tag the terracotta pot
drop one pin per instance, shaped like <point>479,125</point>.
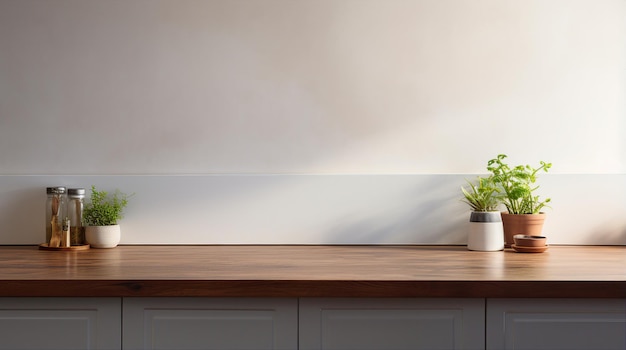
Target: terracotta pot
<point>521,224</point>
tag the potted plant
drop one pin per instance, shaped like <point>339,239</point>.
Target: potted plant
<point>517,192</point>
<point>101,216</point>
<point>485,226</point>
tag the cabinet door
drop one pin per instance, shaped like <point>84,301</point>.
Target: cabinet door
<point>551,324</point>
<point>210,323</point>
<point>398,324</point>
<point>60,323</point>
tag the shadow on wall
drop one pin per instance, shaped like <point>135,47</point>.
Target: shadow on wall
<point>26,208</point>
<point>429,212</point>
<point>608,232</point>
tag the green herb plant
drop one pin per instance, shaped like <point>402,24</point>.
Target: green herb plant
<point>104,210</point>
<point>517,185</point>
<point>481,196</point>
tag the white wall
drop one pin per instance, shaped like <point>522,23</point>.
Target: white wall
<point>287,121</point>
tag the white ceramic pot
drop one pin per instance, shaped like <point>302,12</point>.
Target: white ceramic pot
<point>103,236</point>
<point>485,232</point>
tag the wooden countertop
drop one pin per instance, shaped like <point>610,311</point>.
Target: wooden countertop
<point>313,271</point>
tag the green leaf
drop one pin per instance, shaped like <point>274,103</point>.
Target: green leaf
<point>104,210</point>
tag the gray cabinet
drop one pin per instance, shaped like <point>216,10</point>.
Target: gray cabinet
<point>60,323</point>
<point>311,324</point>
<point>555,324</point>
<point>398,324</point>
<point>210,323</point>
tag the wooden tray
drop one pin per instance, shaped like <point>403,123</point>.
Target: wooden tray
<point>44,246</point>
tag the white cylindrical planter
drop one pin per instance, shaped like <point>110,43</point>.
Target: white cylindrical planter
<point>103,236</point>
<point>485,231</point>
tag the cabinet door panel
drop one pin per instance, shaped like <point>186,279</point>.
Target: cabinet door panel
<point>582,324</point>
<point>210,323</point>
<point>60,323</point>
<point>398,324</point>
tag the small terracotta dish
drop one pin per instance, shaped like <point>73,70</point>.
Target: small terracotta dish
<point>522,249</point>
<point>529,241</point>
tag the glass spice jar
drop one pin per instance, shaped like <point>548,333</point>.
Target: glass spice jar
<point>75,202</point>
<point>55,209</point>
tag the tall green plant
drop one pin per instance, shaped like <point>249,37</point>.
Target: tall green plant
<point>481,196</point>
<point>517,185</point>
<point>104,210</point>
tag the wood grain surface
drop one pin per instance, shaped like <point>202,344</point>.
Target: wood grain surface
<point>314,271</point>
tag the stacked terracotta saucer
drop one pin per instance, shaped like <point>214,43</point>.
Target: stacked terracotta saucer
<point>529,244</point>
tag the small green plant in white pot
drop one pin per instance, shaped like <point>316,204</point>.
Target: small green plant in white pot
<point>101,216</point>
<point>485,226</point>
